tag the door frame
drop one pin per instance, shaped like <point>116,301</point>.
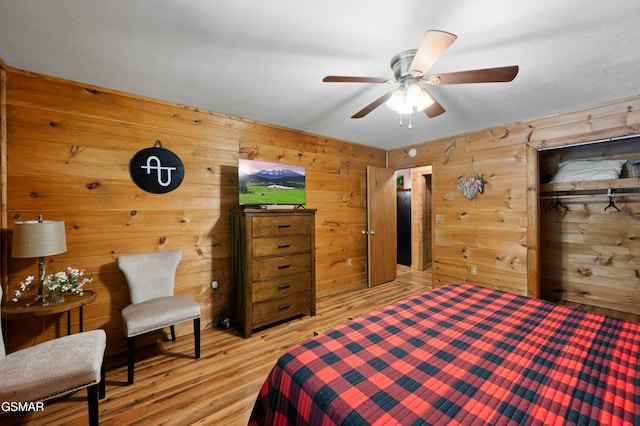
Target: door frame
<point>421,205</point>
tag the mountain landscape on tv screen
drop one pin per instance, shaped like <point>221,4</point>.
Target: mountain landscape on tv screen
<point>278,175</point>
<point>279,185</point>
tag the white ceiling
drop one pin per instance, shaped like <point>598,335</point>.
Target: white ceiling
<point>265,60</point>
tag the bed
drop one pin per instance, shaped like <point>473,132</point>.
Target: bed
<point>465,355</point>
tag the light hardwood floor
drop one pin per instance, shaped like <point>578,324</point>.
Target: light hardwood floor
<point>171,388</point>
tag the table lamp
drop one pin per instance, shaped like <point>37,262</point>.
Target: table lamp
<point>38,239</point>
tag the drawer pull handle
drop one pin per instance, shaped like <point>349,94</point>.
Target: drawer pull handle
<point>283,307</point>
<point>284,286</point>
<point>287,245</point>
<point>284,266</point>
<point>284,225</point>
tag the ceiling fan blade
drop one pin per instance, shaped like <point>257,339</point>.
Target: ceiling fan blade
<point>435,109</point>
<point>373,105</point>
<point>351,79</point>
<point>434,44</point>
<point>489,75</point>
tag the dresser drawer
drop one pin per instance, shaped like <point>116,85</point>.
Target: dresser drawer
<point>271,226</point>
<point>271,267</point>
<point>281,286</point>
<point>280,308</point>
<point>275,246</point>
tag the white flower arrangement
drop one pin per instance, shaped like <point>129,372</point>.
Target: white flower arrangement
<point>69,281</point>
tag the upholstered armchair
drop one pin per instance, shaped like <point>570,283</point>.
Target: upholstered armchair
<point>53,369</point>
<point>151,277</point>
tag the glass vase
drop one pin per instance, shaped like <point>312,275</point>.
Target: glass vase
<point>53,298</point>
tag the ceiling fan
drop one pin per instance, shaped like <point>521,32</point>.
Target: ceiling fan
<point>409,69</point>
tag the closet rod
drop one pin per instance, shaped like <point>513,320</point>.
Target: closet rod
<point>604,194</point>
<point>614,139</point>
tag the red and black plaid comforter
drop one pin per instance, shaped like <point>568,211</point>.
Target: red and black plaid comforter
<point>461,355</point>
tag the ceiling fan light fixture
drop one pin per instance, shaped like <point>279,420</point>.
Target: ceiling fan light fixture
<point>417,97</point>
<point>397,102</point>
<point>409,99</point>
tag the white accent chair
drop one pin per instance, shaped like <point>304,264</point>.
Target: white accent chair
<point>151,278</point>
<point>53,369</point>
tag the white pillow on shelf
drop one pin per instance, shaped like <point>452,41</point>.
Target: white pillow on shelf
<point>579,171</point>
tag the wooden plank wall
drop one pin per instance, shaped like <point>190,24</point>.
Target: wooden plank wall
<point>68,146</point>
<point>3,175</point>
<point>498,231</point>
<point>486,232</point>
<point>68,152</point>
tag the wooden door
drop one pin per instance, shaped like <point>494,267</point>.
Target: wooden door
<point>381,226</point>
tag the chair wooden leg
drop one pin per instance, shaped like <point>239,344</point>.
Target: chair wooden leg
<point>92,398</point>
<point>173,333</point>
<point>131,349</point>
<point>196,336</point>
<point>102,388</point>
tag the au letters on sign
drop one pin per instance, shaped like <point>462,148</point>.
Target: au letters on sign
<point>156,169</point>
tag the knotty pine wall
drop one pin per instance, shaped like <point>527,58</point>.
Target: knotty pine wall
<point>66,155</point>
<point>498,232</point>
<point>68,147</point>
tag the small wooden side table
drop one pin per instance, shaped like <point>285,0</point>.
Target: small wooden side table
<point>17,310</point>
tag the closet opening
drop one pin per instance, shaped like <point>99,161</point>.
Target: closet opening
<point>589,223</point>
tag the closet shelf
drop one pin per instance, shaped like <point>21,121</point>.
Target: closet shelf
<point>627,184</point>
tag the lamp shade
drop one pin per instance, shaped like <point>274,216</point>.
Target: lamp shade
<point>38,238</point>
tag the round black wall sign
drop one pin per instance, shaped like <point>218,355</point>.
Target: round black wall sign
<point>156,170</point>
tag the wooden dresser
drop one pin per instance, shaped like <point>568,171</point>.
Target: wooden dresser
<point>273,264</point>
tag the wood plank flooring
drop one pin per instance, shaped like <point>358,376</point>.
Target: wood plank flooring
<point>171,388</point>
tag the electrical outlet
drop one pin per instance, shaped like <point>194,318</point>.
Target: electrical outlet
<point>349,262</point>
<point>473,270</point>
<point>439,218</point>
<point>523,221</point>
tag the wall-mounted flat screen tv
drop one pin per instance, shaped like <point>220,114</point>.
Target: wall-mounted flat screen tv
<point>262,183</point>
